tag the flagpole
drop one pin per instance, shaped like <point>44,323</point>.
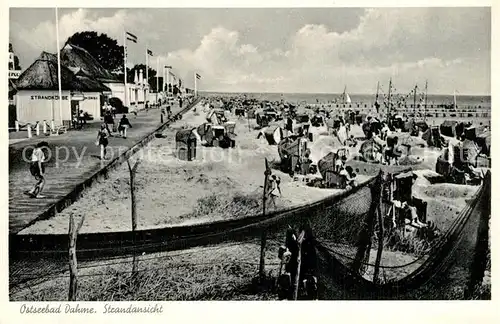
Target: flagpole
<point>59,66</point>
<point>168,80</point>
<point>195,90</point>
<point>163,87</point>
<point>147,74</point>
<point>157,77</point>
<point>125,66</point>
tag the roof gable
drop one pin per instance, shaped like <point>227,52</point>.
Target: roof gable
<point>75,56</point>
<point>43,75</point>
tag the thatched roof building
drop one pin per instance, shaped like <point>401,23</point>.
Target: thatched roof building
<point>74,56</point>
<point>88,81</point>
<point>42,75</point>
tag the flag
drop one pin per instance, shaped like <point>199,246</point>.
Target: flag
<point>131,37</point>
<point>150,52</point>
<point>198,76</point>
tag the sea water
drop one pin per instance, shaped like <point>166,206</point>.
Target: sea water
<point>463,101</point>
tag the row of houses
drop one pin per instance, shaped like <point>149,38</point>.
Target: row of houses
<point>86,85</point>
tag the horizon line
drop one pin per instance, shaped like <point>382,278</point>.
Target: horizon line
<point>332,93</point>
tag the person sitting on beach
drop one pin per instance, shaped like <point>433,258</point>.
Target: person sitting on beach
<point>123,126</point>
<point>410,213</point>
<point>391,152</point>
<point>348,176</point>
<point>340,163</point>
<point>351,141</point>
<point>385,132</point>
<point>381,145</point>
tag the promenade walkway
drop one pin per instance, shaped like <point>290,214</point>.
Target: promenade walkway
<point>75,158</point>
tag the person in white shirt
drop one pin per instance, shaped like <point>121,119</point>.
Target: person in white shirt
<point>412,213</point>
<point>37,169</point>
<point>385,132</point>
<point>349,176</point>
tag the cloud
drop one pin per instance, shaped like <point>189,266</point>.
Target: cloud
<point>387,43</point>
<point>448,46</point>
<point>43,36</point>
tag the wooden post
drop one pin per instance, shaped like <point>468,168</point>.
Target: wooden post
<point>248,119</point>
<point>263,239</point>
<point>132,171</point>
<point>364,242</point>
<point>380,242</point>
<point>300,239</point>
<point>73,270</point>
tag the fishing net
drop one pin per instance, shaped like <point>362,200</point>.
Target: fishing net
<point>347,273</point>
<point>352,236</point>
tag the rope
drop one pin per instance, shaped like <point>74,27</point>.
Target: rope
<point>273,217</point>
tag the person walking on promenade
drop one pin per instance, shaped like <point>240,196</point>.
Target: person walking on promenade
<point>169,111</point>
<point>109,121</point>
<point>102,139</point>
<point>83,120</point>
<point>37,169</point>
<point>123,125</point>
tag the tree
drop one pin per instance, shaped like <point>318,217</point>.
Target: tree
<point>16,60</point>
<point>105,49</point>
<point>151,74</point>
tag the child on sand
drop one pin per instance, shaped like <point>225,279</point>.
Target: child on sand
<point>274,189</point>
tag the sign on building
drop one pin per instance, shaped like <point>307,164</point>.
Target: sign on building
<point>14,74</point>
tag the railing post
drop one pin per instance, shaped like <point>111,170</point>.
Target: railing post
<point>45,127</point>
<point>73,270</point>
<point>37,129</point>
<point>262,263</point>
<point>132,171</point>
<point>17,125</point>
<point>380,237</point>
<point>296,287</point>
<point>364,242</point>
<point>29,131</point>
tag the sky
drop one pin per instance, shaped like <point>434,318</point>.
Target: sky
<point>304,50</point>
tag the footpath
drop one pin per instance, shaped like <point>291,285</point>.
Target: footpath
<point>74,160</point>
